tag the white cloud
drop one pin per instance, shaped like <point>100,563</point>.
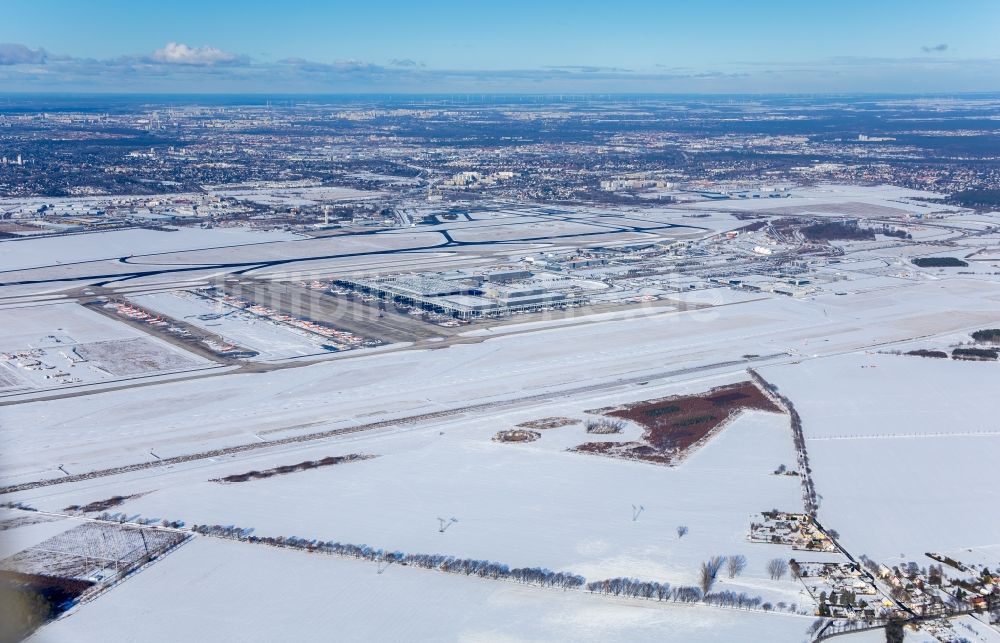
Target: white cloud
<point>180,54</point>
<point>405,62</point>
<point>338,67</point>
<point>17,54</point>
<point>181,67</point>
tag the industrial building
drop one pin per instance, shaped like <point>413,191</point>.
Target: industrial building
<point>463,298</point>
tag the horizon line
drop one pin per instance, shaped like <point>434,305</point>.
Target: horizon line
<point>992,92</point>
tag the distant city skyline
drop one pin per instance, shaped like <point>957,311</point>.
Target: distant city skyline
<point>515,47</point>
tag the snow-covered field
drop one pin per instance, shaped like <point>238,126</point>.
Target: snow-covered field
<point>25,326</point>
<point>522,504</point>
<point>270,339</point>
<point>902,449</point>
<point>55,345</point>
<point>904,443</point>
<point>116,428</point>
<point>29,253</point>
<point>238,592</point>
<point>837,200</point>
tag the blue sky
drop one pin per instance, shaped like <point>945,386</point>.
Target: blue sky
<point>512,46</point>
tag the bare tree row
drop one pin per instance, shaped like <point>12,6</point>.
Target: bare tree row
<point>809,498</point>
<point>440,562</point>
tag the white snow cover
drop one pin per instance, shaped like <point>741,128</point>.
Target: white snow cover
<point>264,594</point>
<point>30,253</point>
<point>522,504</point>
<point>902,448</point>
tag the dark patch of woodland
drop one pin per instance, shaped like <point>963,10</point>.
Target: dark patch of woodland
<point>292,468</point>
<point>975,353</point>
<point>939,262</point>
<point>991,335</point>
<point>923,352</point>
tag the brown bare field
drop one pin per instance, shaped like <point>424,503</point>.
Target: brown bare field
<point>676,425</point>
<point>548,423</point>
<point>12,228</point>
